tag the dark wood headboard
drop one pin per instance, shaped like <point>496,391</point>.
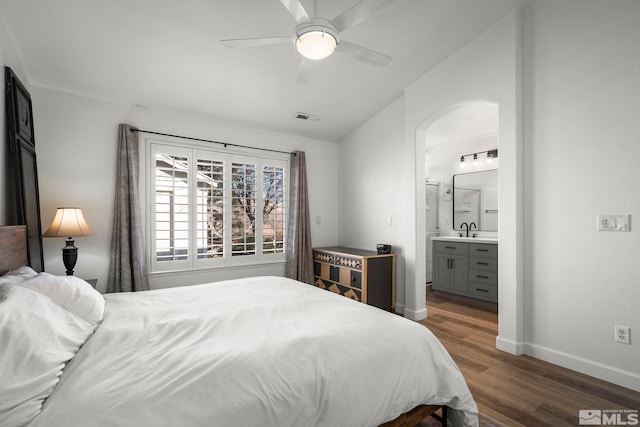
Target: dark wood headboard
<point>22,170</point>
<point>13,247</point>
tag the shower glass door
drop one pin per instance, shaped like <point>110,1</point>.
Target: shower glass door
<point>433,228</point>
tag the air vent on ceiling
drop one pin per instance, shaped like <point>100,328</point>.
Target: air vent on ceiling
<point>305,116</point>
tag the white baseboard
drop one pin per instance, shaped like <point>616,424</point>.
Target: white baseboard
<point>598,370</point>
<point>415,314</point>
<point>509,346</point>
<point>399,309</point>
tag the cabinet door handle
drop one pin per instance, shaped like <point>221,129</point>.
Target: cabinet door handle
<point>481,277</point>
<point>482,250</point>
<point>482,290</point>
<point>450,247</point>
<point>453,263</point>
<point>482,263</point>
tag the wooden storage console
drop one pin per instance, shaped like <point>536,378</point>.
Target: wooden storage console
<point>364,276</point>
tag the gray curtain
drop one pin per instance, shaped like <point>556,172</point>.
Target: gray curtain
<point>127,269</point>
<point>299,248</point>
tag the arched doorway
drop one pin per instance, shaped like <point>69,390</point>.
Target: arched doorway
<point>510,309</point>
<point>467,127</point>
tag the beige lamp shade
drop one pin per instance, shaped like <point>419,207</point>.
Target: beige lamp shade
<point>68,222</point>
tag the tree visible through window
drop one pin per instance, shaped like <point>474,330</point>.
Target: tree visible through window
<point>273,209</point>
<point>243,208</point>
<point>217,206</point>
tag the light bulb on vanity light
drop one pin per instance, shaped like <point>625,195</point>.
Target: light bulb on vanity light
<point>462,165</point>
<point>489,157</point>
<point>475,159</point>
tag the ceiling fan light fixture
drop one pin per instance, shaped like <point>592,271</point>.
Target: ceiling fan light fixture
<point>316,41</point>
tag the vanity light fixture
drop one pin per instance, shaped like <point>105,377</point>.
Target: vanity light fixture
<point>489,157</point>
<point>491,154</point>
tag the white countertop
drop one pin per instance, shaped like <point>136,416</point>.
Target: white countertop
<point>489,240</point>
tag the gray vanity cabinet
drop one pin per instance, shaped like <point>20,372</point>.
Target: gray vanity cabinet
<point>451,266</point>
<point>483,271</point>
<point>469,269</point>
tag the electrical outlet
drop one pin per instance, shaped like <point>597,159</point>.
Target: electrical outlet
<point>622,334</point>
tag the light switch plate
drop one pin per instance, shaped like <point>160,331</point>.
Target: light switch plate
<point>614,223</point>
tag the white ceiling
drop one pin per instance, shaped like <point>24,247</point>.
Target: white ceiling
<point>472,120</point>
<point>167,54</point>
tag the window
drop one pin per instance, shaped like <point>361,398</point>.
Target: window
<point>208,208</point>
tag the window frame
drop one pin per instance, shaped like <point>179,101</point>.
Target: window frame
<point>195,152</point>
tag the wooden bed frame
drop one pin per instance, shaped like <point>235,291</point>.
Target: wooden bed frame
<point>13,255</point>
<point>417,414</point>
<point>13,247</point>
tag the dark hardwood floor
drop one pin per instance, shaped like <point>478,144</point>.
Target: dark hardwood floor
<point>515,390</point>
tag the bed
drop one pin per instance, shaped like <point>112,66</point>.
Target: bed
<point>265,351</point>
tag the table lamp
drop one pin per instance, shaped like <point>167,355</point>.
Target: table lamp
<point>69,222</point>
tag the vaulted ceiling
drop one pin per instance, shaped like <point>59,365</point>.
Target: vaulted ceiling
<point>168,54</point>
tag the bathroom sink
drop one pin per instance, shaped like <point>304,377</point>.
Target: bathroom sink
<point>467,239</point>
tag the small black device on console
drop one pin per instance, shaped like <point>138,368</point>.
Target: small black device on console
<point>384,248</point>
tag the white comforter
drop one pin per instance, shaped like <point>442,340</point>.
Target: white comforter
<point>254,352</point>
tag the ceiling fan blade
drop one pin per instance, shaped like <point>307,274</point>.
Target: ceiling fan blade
<point>363,54</point>
<point>261,41</point>
<point>296,10</point>
<point>358,13</point>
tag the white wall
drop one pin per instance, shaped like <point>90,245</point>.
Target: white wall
<point>494,58</point>
<point>77,140</point>
<point>76,152</point>
<point>486,69</point>
<point>372,189</point>
<point>582,99</point>
<point>574,156</point>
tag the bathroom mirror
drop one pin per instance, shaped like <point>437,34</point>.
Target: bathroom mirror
<point>475,199</point>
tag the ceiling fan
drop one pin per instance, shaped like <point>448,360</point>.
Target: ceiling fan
<point>317,38</point>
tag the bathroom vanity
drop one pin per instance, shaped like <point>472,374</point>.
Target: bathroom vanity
<point>466,266</point>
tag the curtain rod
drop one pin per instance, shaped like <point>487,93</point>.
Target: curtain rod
<point>226,144</point>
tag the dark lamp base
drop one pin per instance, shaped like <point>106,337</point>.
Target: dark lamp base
<point>69,256</point>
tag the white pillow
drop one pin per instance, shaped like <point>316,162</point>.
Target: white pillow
<point>71,293</point>
<point>37,339</point>
<point>19,275</point>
